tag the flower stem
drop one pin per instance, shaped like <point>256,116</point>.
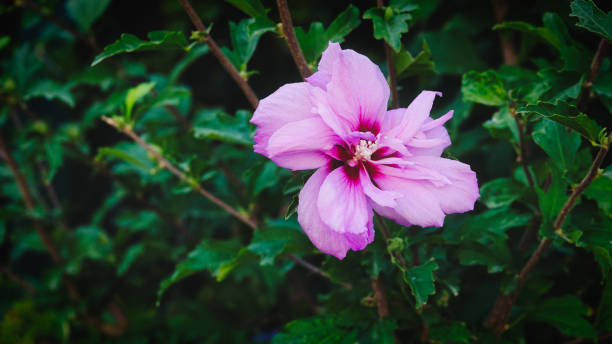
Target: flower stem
<point>521,153</point>
<point>289,34</point>
<point>225,62</point>
<point>500,8</point>
<point>500,314</point>
<point>602,49</point>
<point>390,68</point>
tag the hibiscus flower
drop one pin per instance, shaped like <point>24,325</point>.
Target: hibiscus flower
<point>367,158</point>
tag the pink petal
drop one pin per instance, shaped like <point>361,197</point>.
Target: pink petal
<point>376,195</point>
<point>342,203</point>
<point>323,237</point>
<point>323,74</point>
<point>460,195</point>
<point>357,91</point>
<point>289,103</point>
<point>302,144</point>
<point>413,117</point>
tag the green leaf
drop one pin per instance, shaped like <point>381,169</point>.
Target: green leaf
<point>216,125</point>
<point>495,256</point>
<point>253,8</point>
<point>145,165</point>
<point>450,332</point>
<point>345,22</point>
<point>86,12</point>
<point>278,237</point>
<point>567,115</point>
<point>158,40</point>
<point>421,281</point>
<point>590,17</point>
<point>464,57</point>
<point>210,255</point>
<point>89,242</point>
<point>542,32</point>
<point>130,255</point>
<point>600,191</point>
<point>566,313</point>
<point>501,192</point>
<point>603,321</point>
<point>389,28</point>
<point>560,145</point>
<point>51,90</point>
<point>192,55</point>
<point>134,94</point>
<point>483,88</point>
<point>502,125</point>
<point>551,201</point>
<point>4,41</point>
<point>319,329</point>
<point>421,64</point>
<point>244,41</point>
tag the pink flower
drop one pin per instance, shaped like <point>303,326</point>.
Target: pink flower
<point>367,158</point>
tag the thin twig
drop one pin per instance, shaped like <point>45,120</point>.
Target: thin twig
<point>214,48</point>
<point>292,42</point>
<point>174,170</point>
<point>390,68</point>
<point>90,40</point>
<point>316,269</point>
<point>585,91</point>
<point>381,298</point>
<point>500,8</point>
<point>27,286</point>
<point>500,314</point>
<point>387,236</point>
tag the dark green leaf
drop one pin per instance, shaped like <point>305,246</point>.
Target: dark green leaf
<point>85,12</point>
<point>464,58</point>
<point>551,201</point>
<point>496,256</point>
<point>502,125</point>
<point>592,18</point>
<point>603,321</point>
<point>600,191</point>
<point>344,23</point>
<point>483,88</point>
<point>130,255</point>
<point>51,90</point>
<point>406,65</point>
<point>254,8</point>
<point>278,237</point>
<point>500,192</point>
<point>421,281</point>
<point>566,114</point>
<point>544,33</point>
<point>566,313</point>
<point>450,332</point>
<point>158,40</point>
<point>192,55</point>
<point>4,41</point>
<point>560,145</point>
<point>320,329</point>
<point>220,126</point>
<point>389,28</point>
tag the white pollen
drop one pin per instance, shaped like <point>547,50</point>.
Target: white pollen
<point>364,150</point>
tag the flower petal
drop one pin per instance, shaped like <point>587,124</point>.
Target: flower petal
<point>302,144</point>
<point>376,195</point>
<point>357,91</point>
<point>289,103</point>
<point>342,203</point>
<point>323,74</point>
<point>412,119</point>
<point>323,237</point>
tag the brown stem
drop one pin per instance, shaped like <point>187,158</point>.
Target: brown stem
<point>170,167</point>
<point>498,318</point>
<point>292,43</point>
<point>602,49</point>
<point>225,62</point>
<point>381,298</point>
<point>390,68</point>
<point>387,236</point>
<point>90,40</point>
<point>521,154</point>
<point>27,286</point>
<point>500,8</point>
<point>316,270</point>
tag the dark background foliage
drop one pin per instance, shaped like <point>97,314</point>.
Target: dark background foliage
<point>141,256</point>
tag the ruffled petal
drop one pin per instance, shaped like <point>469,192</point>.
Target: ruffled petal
<point>357,91</point>
<point>323,74</point>
<point>342,203</point>
<point>288,104</point>
<point>302,144</point>
<point>323,237</point>
<point>412,118</point>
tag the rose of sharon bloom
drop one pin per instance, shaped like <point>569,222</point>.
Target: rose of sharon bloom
<point>367,158</point>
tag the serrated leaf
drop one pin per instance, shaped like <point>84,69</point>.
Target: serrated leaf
<point>319,329</point>
<point>592,18</point>
<point>389,28</point>
<point>421,281</point>
<point>158,40</point>
<point>566,313</point>
<point>483,88</point>
<point>51,90</point>
<point>86,12</point>
<point>560,145</point>
<point>500,192</point>
<point>600,191</point>
<point>216,125</point>
<point>344,23</point>
<point>210,255</point>
<point>421,64</point>
<point>278,237</point>
<point>244,41</point>
<point>567,115</point>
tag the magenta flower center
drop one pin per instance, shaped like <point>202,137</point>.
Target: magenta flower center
<point>363,151</point>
